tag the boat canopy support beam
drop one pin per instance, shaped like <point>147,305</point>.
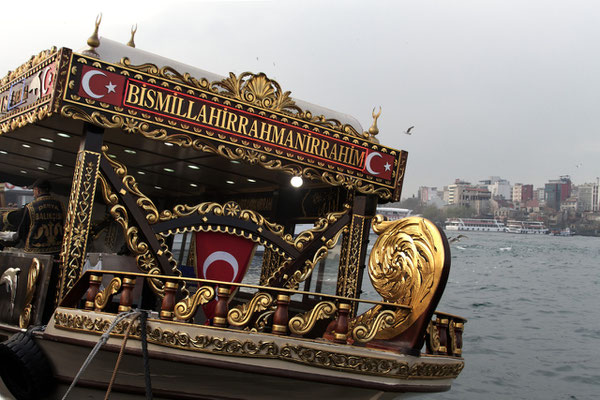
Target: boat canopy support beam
<point>354,248</point>
<point>81,202</point>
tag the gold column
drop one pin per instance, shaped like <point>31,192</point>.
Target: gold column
<point>79,215</point>
<point>354,248</point>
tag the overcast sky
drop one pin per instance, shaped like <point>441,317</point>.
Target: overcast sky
<point>507,88</point>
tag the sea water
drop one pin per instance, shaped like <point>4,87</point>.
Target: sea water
<point>533,309</point>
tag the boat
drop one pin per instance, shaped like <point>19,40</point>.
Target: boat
<point>172,177</point>
<point>529,227</point>
<point>562,232</point>
<point>475,224</point>
<point>393,213</point>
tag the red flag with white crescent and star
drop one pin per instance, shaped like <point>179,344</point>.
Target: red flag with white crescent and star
<point>103,86</point>
<point>221,257</point>
<point>379,164</point>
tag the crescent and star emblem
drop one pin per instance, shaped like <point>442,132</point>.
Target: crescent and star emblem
<point>85,84</point>
<point>221,256</point>
<point>368,167</point>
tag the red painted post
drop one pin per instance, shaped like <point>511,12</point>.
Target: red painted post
<point>168,303</point>
<point>222,308</point>
<point>280,318</point>
<point>94,287</point>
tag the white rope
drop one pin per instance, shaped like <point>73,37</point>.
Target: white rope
<point>101,342</point>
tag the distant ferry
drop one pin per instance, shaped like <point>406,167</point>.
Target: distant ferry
<point>475,224</point>
<point>526,227</point>
<point>394,214</point>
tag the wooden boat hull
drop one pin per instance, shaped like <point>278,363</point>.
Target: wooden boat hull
<point>200,362</point>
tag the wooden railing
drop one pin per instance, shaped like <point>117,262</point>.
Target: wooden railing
<point>264,309</point>
<point>444,335</point>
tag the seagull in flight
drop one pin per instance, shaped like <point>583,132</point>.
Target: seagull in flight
<point>408,131</point>
<point>456,238</point>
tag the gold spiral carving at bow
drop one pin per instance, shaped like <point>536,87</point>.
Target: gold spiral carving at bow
<point>187,307</point>
<point>32,277</point>
<point>240,315</point>
<point>405,267</point>
<point>101,299</point>
<point>301,324</point>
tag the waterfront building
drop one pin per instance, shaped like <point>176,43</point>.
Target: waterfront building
<point>431,196</point>
<point>498,187</point>
<point>556,191</point>
<point>588,199</point>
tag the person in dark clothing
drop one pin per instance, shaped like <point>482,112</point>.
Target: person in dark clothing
<point>42,230</point>
<point>43,221</point>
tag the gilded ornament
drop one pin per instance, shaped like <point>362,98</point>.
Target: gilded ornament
<point>104,296</point>
<point>186,308</point>
<point>301,324</point>
<point>302,354</point>
<point>240,315</point>
<point>405,267</point>
<point>32,277</point>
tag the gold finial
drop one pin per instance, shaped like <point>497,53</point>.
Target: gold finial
<point>374,130</point>
<point>131,43</point>
<point>93,40</point>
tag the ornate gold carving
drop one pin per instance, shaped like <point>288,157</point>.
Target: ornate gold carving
<point>302,240</point>
<point>132,187</point>
<point>31,117</point>
<point>433,336</point>
<point>374,130</point>
<point>186,308</point>
<point>352,247</point>
<point>302,354</point>
<point>101,299</point>
<point>32,277</point>
<point>78,219</point>
<point>31,63</point>
<point>229,209</point>
<point>405,266</point>
<point>258,90</point>
<point>132,125</point>
<point>366,332</point>
<point>240,315</point>
<point>301,324</point>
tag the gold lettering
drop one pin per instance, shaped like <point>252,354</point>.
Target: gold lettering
<point>188,115</point>
<point>300,141</point>
<point>334,152</point>
<point>289,140</point>
<point>314,146</point>
<point>324,148</point>
<point>133,93</point>
<point>179,104</point>
<point>343,155</point>
<point>231,120</point>
<point>150,99</point>
<point>162,104</point>
<point>357,157</point>
<point>173,104</point>
<point>253,129</point>
<point>214,119</point>
<point>267,131</point>
<point>202,114</point>
<point>243,125</point>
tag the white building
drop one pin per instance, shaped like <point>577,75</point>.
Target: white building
<point>587,197</point>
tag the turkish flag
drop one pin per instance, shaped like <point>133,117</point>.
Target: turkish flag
<point>103,86</point>
<point>221,257</point>
<point>380,165</point>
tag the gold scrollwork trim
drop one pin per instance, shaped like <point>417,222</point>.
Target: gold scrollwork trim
<point>303,323</point>
<point>30,117</point>
<point>187,307</point>
<point>240,315</point>
<point>101,299</point>
<point>133,125</point>
<point>365,333</point>
<point>32,277</point>
<point>302,354</point>
<point>31,63</point>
